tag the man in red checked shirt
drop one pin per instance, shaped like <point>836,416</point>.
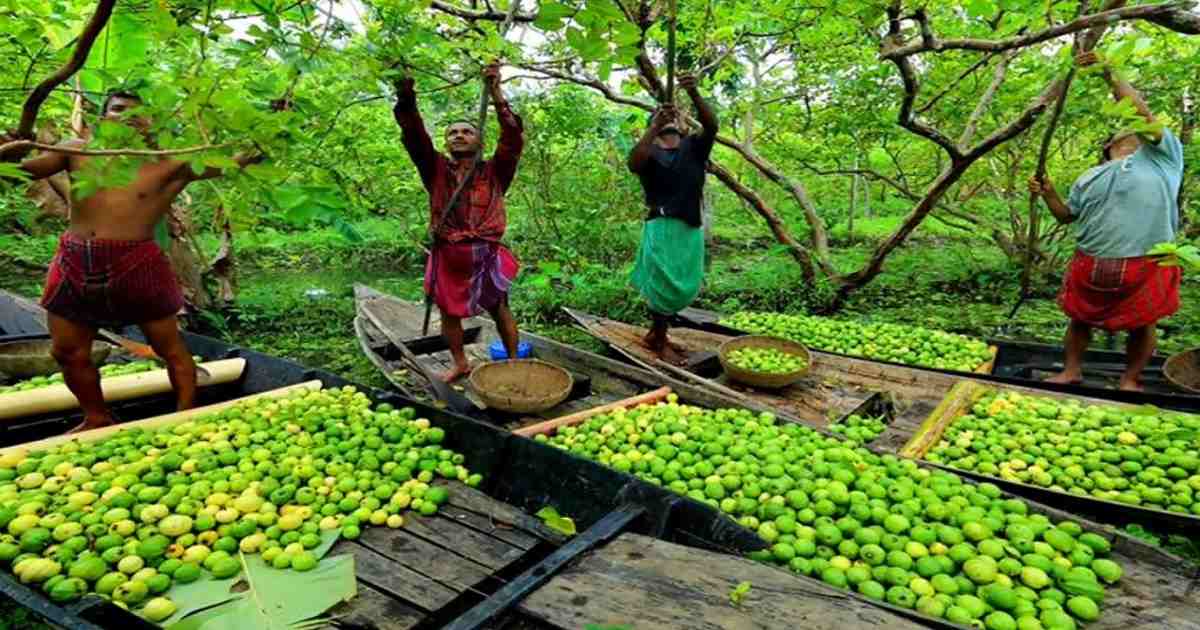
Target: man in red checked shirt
<point>469,271</point>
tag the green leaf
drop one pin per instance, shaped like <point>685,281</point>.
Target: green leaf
<point>199,595</point>
<point>562,524</point>
<point>8,170</point>
<point>551,15</point>
<point>278,599</point>
<point>547,512</point>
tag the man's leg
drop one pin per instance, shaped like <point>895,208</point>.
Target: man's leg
<point>163,335</point>
<point>1079,335</point>
<point>1138,350</point>
<point>656,339</point>
<point>72,348</point>
<point>507,327</point>
<point>452,332</point>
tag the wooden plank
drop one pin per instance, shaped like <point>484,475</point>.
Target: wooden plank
<point>394,578</point>
<point>553,425</point>
<point>372,610</point>
<point>58,397</point>
<point>640,582</point>
<point>423,557</point>
<point>490,552</point>
<point>502,514</point>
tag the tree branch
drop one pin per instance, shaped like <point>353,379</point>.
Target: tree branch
<point>907,118</point>
<point>775,224</point>
<point>83,46</point>
<point>1171,15</point>
<point>20,145</point>
<point>489,15</point>
<point>985,101</point>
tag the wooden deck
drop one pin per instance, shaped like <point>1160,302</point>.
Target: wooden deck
<point>434,566</point>
<point>639,582</point>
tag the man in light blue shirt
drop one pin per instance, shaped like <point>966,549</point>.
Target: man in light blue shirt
<point>1120,209</point>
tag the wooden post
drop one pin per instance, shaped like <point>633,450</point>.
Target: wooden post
<point>54,398</point>
<point>551,426</point>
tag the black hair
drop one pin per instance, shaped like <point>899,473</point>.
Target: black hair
<point>126,94</point>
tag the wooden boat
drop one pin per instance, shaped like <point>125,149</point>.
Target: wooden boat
<point>1028,364</point>
<point>598,380</point>
<point>484,559</point>
<point>841,381</point>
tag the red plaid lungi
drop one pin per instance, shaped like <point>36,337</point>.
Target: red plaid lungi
<point>106,283</point>
<point>472,277</point>
<point>1119,293</point>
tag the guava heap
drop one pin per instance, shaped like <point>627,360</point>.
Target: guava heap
<point>111,369</point>
<point>1135,455</point>
<point>911,345</point>
<point>133,515</point>
<point>878,524</point>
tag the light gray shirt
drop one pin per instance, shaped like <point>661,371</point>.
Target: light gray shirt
<point>1122,208</point>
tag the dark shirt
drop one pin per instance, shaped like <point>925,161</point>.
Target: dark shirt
<point>674,179</point>
<point>479,213</point>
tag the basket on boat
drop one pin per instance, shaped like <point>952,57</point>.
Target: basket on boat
<point>26,359</point>
<point>521,385</point>
<point>1183,370</point>
<point>761,379</point>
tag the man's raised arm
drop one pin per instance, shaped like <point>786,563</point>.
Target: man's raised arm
<point>412,132</point>
<point>512,130</point>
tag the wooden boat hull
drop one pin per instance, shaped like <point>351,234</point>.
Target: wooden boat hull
<point>1027,364</point>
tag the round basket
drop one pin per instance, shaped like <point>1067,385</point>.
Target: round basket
<point>1183,370</point>
<point>26,359</point>
<point>759,379</point>
<point>522,385</point>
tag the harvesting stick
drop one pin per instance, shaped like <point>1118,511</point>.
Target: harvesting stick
<point>1040,174</point>
<point>671,53</point>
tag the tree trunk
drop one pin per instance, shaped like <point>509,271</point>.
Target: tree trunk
<point>853,201</point>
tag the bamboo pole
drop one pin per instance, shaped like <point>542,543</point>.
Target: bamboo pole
<point>158,422</point>
<point>551,426</point>
<point>54,398</point>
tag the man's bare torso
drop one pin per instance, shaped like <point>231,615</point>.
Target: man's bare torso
<point>127,213</point>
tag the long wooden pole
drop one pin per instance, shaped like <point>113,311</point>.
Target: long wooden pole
<point>54,398</point>
<point>551,426</point>
<point>671,52</point>
<point>157,422</point>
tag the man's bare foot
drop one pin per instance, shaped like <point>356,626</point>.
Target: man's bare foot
<point>92,423</point>
<point>673,353</point>
<point>1066,378</point>
<point>456,373</point>
<point>1131,386</point>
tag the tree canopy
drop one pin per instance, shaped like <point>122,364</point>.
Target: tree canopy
<point>940,107</point>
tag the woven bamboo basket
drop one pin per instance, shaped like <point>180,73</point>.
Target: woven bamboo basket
<point>760,379</point>
<point>522,385</point>
<point>1183,370</point>
<point>26,359</point>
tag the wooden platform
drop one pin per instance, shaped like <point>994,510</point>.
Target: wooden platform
<point>638,582</point>
<point>835,387</point>
<point>406,576</point>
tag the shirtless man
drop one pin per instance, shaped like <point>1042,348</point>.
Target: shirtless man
<point>108,272</point>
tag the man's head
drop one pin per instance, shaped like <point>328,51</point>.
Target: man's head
<point>462,138</point>
<point>1120,145</point>
<point>119,106</point>
<point>670,132</point>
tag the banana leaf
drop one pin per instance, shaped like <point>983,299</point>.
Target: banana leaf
<point>276,599</point>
